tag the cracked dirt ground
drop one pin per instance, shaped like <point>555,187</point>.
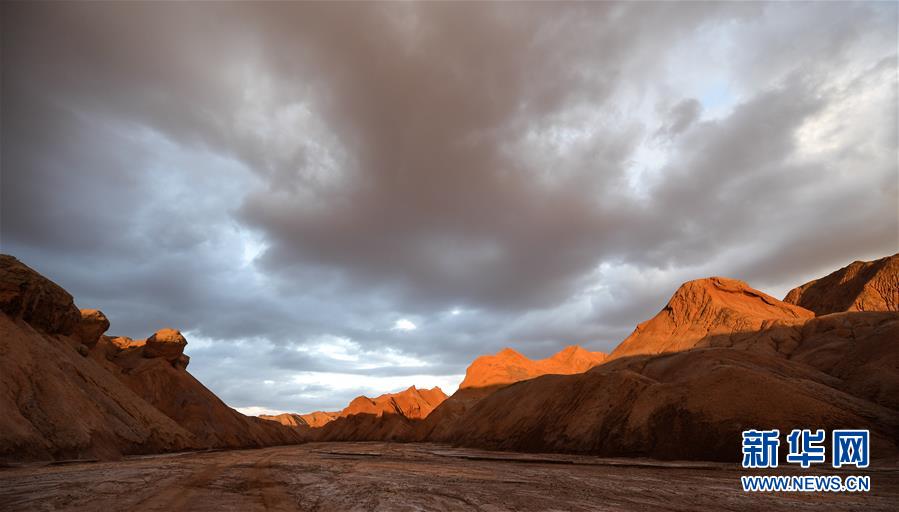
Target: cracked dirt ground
<point>385,476</point>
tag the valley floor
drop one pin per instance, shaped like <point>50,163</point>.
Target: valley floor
<point>384,476</point>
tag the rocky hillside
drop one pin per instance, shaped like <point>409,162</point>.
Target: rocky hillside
<point>721,357</point>
<point>859,286</point>
<point>68,391</point>
<point>714,312</point>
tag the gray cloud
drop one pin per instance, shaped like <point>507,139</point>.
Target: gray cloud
<point>681,116</point>
<point>269,176</point>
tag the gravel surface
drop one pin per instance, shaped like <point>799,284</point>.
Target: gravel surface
<point>397,477</point>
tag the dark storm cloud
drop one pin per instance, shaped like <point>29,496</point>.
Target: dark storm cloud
<point>286,181</point>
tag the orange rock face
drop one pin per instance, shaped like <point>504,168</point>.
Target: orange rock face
<point>508,366</point>
<point>860,286</point>
<point>287,419</point>
<point>392,416</point>
<point>165,343</point>
<point>714,312</point>
<point>412,403</point>
<point>318,418</point>
<point>311,420</point>
<point>93,324</point>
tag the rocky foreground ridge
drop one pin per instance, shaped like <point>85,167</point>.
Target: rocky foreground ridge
<point>68,391</point>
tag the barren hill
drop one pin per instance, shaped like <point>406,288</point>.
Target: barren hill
<point>508,366</point>
<point>859,286</point>
<point>714,312</point>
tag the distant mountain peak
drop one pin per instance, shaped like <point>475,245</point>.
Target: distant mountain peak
<point>508,366</point>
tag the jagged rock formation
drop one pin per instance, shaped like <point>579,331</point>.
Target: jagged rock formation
<point>859,286</point>
<point>317,419</point>
<point>412,403</point>
<point>508,366</point>
<point>67,391</point>
<point>391,416</point>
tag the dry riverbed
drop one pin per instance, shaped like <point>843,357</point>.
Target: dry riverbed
<point>395,477</point>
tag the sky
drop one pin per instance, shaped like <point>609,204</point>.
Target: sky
<point>340,199</point>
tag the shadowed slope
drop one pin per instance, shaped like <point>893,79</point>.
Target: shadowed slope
<point>859,286</point>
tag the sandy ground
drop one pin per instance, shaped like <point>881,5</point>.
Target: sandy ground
<point>383,476</point>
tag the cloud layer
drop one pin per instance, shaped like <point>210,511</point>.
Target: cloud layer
<point>338,199</point>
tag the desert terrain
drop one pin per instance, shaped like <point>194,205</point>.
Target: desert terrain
<point>413,476</point>
<point>95,422</point>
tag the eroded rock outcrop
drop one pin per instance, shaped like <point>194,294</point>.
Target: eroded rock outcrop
<point>67,391</point>
<point>38,301</point>
<point>93,324</point>
<point>859,286</point>
<point>54,402</point>
<point>165,343</point>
